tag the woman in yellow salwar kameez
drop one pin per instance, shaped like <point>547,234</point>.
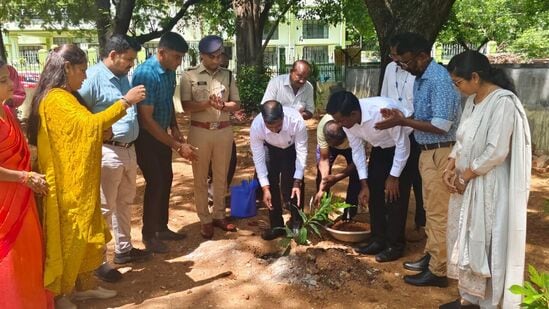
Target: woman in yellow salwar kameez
<point>68,138</point>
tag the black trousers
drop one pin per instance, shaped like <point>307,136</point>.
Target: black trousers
<point>413,163</point>
<point>155,161</point>
<point>281,168</point>
<point>353,188</point>
<point>387,219</point>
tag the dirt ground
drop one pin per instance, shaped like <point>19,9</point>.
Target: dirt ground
<point>240,270</point>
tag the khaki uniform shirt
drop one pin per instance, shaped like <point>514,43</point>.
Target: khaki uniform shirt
<point>197,84</point>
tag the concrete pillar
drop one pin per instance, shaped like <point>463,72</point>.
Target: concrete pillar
<point>92,56</point>
<point>437,47</point>
<point>491,47</point>
<point>42,55</point>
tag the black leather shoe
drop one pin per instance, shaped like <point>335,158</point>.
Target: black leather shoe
<point>388,255</point>
<point>426,278</point>
<point>271,234</point>
<point>456,304</point>
<point>108,274</point>
<point>169,235</point>
<point>155,245</point>
<point>419,265</point>
<point>372,248</point>
<point>134,255</point>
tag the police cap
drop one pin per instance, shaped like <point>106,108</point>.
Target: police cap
<point>210,44</point>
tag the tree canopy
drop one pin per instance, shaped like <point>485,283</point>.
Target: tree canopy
<point>514,25</point>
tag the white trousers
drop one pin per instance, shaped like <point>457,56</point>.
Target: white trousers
<point>118,186</point>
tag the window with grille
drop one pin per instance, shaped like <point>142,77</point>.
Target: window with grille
<point>270,57</point>
<point>28,55</point>
<point>316,54</point>
<point>61,40</point>
<point>315,29</point>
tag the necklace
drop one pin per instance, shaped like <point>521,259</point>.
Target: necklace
<point>401,91</point>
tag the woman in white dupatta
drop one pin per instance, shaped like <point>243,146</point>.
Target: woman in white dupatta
<point>488,174</point>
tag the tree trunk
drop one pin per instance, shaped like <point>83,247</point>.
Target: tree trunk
<point>395,16</point>
<point>249,32</point>
<point>3,52</point>
<point>103,21</point>
<point>107,26</point>
<point>124,11</point>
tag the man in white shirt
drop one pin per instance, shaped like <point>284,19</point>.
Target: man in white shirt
<point>293,89</point>
<point>278,139</point>
<point>385,183</point>
<point>398,84</point>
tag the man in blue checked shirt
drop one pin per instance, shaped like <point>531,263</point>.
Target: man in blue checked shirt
<point>107,83</point>
<point>154,145</point>
<point>436,116</point>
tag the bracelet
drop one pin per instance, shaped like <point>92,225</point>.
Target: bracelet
<point>126,101</point>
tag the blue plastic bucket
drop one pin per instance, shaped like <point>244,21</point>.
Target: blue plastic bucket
<point>243,199</point>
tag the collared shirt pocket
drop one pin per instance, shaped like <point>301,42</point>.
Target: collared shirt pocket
<point>200,90</point>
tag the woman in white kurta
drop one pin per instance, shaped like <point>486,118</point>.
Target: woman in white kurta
<point>489,175</point>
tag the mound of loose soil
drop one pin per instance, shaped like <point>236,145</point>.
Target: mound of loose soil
<point>351,226</point>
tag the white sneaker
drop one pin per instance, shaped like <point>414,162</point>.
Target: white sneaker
<point>64,302</point>
<point>97,293</point>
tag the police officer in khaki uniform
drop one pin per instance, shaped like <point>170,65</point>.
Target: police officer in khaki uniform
<point>209,93</point>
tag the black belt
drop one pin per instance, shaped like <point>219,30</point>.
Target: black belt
<point>436,145</point>
<point>114,143</point>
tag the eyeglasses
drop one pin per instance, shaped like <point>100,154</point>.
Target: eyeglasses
<point>406,64</point>
<point>457,82</point>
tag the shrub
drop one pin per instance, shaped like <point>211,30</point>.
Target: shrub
<point>252,82</point>
<point>533,43</point>
<point>536,293</point>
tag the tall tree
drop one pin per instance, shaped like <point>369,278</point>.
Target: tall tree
<point>394,16</point>
<point>251,18</point>
<point>473,23</point>
<point>145,19</point>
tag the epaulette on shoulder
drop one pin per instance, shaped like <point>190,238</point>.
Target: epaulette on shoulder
<point>191,68</point>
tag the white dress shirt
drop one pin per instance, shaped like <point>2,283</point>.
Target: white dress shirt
<point>365,132</point>
<point>398,84</point>
<point>294,131</point>
<point>280,89</point>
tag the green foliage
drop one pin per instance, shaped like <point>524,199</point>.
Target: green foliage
<point>312,222</point>
<point>473,23</point>
<point>353,12</point>
<point>536,292</point>
<point>52,15</point>
<point>252,82</point>
<point>217,15</point>
<point>533,43</point>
